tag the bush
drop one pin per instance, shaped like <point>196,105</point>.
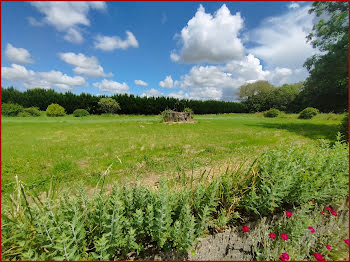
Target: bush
<point>32,111</point>
<point>272,113</point>
<point>188,110</point>
<point>11,109</point>
<point>55,110</point>
<point>308,113</point>
<point>109,105</point>
<point>344,127</point>
<point>24,114</point>
<point>80,113</point>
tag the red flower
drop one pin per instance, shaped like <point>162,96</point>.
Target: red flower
<point>313,202</point>
<point>328,247</point>
<point>322,212</point>
<point>312,230</point>
<point>346,241</point>
<point>319,257</point>
<point>245,228</point>
<point>284,236</point>
<point>334,213</point>
<point>263,243</point>
<point>288,214</point>
<point>330,208</point>
<point>284,257</point>
<point>272,235</point>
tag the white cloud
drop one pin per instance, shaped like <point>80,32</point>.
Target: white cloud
<point>18,55</point>
<point>211,38</point>
<point>66,16</point>
<point>140,83</point>
<point>167,83</point>
<point>152,93</point>
<point>293,5</point>
<point>84,65</point>
<point>32,21</point>
<point>281,40</point>
<point>31,79</point>
<point>112,86</point>
<point>110,43</point>
<point>180,95</point>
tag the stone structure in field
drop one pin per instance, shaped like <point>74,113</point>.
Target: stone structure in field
<point>173,116</point>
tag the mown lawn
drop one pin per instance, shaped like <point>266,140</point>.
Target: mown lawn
<point>141,148</point>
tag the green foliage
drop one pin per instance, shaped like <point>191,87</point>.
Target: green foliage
<point>80,113</point>
<point>297,174</point>
<point>11,109</point>
<point>327,86</point>
<point>109,105</point>
<point>272,113</point>
<point>55,110</point>
<point>188,110</point>
<point>252,89</point>
<point>308,113</point>
<point>166,115</point>
<point>32,111</point>
<point>24,114</point>
<point>344,127</point>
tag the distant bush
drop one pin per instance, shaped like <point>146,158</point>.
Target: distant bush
<point>344,127</point>
<point>32,111</point>
<point>24,114</point>
<point>11,109</point>
<point>80,113</point>
<point>308,113</point>
<point>55,110</point>
<point>109,105</point>
<point>188,110</point>
<point>272,113</point>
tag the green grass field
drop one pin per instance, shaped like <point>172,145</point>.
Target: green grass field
<point>141,148</point>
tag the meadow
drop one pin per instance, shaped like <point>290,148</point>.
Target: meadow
<point>142,148</point>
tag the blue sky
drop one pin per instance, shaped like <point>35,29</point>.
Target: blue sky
<point>197,50</point>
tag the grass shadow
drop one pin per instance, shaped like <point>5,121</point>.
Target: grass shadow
<point>309,130</point>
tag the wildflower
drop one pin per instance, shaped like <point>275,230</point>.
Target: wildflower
<point>272,235</point>
<point>334,213</point>
<point>330,208</point>
<point>288,214</point>
<point>322,212</point>
<point>346,241</point>
<point>245,228</point>
<point>313,202</point>
<point>312,230</point>
<point>284,257</point>
<point>319,257</point>
<point>284,236</point>
<point>328,247</point>
<point>263,243</point>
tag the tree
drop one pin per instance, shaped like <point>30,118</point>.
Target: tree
<point>327,86</point>
<point>109,105</point>
<point>253,89</point>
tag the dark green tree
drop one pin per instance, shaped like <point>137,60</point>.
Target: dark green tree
<point>327,86</point>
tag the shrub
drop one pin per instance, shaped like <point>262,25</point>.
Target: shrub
<point>24,114</point>
<point>272,113</point>
<point>109,105</point>
<point>308,113</point>
<point>55,110</point>
<point>80,113</point>
<point>344,127</point>
<point>11,109</point>
<point>32,111</point>
<point>188,110</point>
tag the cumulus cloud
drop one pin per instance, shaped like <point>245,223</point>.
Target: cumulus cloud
<point>152,93</point>
<point>66,16</point>
<point>110,43</point>
<point>281,40</point>
<point>84,65</point>
<point>293,5</point>
<point>167,82</point>
<point>18,55</point>
<point>112,86</point>
<point>140,83</point>
<point>211,38</point>
<point>31,79</point>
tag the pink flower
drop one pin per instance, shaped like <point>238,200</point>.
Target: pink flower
<point>288,214</point>
<point>334,213</point>
<point>312,230</point>
<point>328,247</point>
<point>319,257</point>
<point>284,257</point>
<point>272,235</point>
<point>346,241</point>
<point>245,229</point>
<point>322,212</point>
<point>284,236</point>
